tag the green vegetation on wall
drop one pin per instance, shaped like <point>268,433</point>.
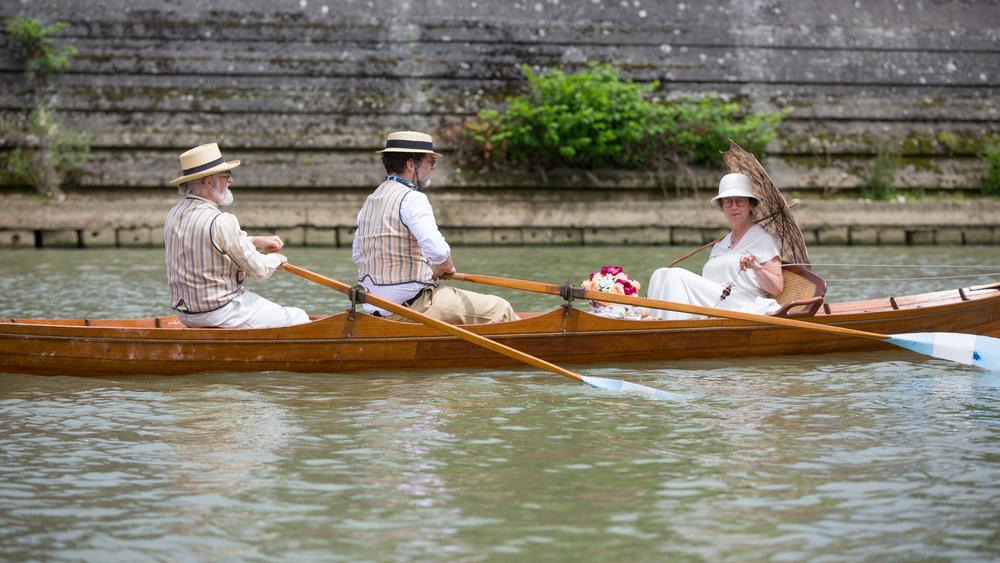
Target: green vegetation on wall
<point>46,152</point>
<point>594,119</point>
<point>33,43</point>
<point>879,185</point>
<point>991,180</point>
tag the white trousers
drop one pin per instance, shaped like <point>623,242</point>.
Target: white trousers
<point>682,286</point>
<point>247,310</point>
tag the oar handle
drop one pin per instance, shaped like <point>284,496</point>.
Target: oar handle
<point>665,305</point>
<point>447,328</point>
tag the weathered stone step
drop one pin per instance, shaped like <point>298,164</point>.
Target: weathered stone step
<point>317,131</point>
<point>328,219</point>
<point>360,170</point>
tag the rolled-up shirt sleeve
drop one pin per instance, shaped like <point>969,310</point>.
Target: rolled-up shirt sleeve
<point>234,242</point>
<point>417,215</point>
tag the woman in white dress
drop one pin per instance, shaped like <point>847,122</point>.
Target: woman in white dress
<point>743,271</point>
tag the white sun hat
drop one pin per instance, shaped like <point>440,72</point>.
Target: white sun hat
<point>202,161</point>
<point>735,185</point>
<point>409,141</point>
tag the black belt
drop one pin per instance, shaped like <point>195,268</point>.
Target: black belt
<point>200,312</point>
<point>413,299</point>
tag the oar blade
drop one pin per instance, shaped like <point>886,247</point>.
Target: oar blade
<point>968,349</point>
<point>619,386</point>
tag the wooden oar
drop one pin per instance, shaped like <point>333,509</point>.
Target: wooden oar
<point>598,382</point>
<point>969,349</point>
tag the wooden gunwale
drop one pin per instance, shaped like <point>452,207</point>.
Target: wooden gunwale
<point>347,342</point>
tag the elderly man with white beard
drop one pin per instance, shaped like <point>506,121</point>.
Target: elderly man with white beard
<point>209,256</point>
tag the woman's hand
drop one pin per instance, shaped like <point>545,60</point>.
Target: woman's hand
<point>748,262</point>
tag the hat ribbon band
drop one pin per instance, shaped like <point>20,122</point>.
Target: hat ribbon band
<point>205,166</point>
<point>398,144</point>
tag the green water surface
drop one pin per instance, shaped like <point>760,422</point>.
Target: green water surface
<point>876,456</point>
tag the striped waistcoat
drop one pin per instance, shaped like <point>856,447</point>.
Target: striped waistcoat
<point>389,253</point>
<point>199,276</point>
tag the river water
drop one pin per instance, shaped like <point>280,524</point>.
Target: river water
<point>876,456</point>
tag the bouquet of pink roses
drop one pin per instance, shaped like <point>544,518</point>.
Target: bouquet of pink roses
<point>610,279</point>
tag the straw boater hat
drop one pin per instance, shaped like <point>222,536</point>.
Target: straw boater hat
<point>735,185</point>
<point>409,141</point>
<point>202,161</point>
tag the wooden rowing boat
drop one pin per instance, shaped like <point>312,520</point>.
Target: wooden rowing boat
<point>354,341</point>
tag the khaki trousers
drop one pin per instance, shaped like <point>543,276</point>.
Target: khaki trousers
<point>458,306</point>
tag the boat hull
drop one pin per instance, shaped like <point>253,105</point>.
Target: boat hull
<point>350,342</point>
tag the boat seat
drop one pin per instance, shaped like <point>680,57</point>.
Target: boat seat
<point>803,292</point>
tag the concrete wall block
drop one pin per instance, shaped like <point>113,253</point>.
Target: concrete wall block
<point>253,216</point>
<point>316,236</point>
<point>892,235</point>
<point>626,236</point>
<point>468,236</point>
<point>682,236</point>
<point>658,236</point>
<point>346,236</point>
<point>140,236</point>
<point>920,237</point>
<point>948,235</point>
<point>98,238</point>
<point>567,237</point>
<point>534,236</point>
<point>291,236</point>
<point>810,236</point>
<point>709,235</point>
<point>598,237</point>
<point>508,236</point>
<point>62,238</point>
<point>864,236</point>
<point>543,236</point>
<point>978,235</point>
<point>832,235</point>
<point>334,210</point>
<point>17,239</point>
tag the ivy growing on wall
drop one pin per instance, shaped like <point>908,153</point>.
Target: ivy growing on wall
<point>990,155</point>
<point>46,152</point>
<point>595,119</point>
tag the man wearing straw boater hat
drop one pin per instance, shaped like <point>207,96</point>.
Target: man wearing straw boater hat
<point>398,248</point>
<point>209,256</point>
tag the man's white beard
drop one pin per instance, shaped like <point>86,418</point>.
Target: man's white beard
<point>227,198</point>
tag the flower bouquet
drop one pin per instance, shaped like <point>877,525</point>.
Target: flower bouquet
<point>612,280</point>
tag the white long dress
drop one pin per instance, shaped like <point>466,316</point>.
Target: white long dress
<point>721,270</point>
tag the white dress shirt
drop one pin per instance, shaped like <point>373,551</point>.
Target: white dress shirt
<point>418,216</point>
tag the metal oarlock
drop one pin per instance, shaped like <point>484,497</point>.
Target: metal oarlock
<point>356,295</point>
<point>569,293</point>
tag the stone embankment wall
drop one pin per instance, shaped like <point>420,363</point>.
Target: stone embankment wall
<point>313,220</point>
<point>304,91</point>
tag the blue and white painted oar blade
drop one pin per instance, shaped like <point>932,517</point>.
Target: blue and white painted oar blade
<point>968,349</point>
<point>619,386</point>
